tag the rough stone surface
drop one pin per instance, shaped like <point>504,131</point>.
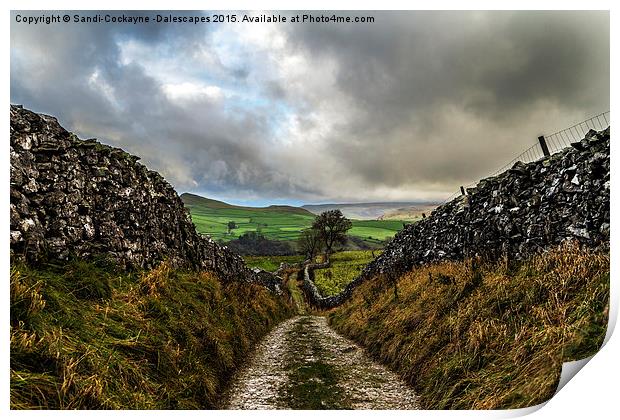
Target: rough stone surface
<point>525,210</point>
<point>71,197</point>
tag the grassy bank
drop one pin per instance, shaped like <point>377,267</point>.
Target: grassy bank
<point>345,266</point>
<point>471,336</point>
<point>84,335</point>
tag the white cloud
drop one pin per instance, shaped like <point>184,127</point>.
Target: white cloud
<point>188,91</point>
<point>103,88</point>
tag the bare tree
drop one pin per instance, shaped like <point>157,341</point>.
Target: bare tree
<point>310,243</point>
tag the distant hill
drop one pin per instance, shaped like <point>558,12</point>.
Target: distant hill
<point>211,217</point>
<point>410,214</point>
<point>281,223</point>
<point>193,200</point>
<point>370,211</point>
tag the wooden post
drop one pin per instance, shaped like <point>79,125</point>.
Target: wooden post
<point>462,190</point>
<point>543,145</point>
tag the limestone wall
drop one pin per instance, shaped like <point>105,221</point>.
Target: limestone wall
<point>71,197</point>
<point>522,211</point>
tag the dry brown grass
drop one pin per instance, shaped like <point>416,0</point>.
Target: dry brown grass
<point>469,335</point>
<point>84,336</point>
<point>155,280</point>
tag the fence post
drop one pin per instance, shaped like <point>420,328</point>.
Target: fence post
<point>462,190</point>
<point>543,145</point>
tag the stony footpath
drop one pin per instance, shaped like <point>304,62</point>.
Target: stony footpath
<point>304,364</point>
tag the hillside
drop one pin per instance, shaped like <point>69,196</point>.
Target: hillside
<point>410,213</point>
<point>281,223</point>
<point>374,211</point>
<point>193,200</point>
<point>211,217</point>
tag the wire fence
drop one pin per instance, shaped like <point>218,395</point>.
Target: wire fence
<point>549,144</point>
<point>563,138</point>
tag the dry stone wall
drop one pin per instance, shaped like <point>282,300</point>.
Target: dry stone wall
<point>71,197</point>
<point>522,211</point>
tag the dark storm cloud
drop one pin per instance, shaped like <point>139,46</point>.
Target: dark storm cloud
<point>411,71</point>
<point>406,107</point>
<point>423,58</point>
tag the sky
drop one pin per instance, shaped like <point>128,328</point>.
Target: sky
<point>406,108</point>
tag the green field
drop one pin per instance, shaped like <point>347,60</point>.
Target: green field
<point>345,266</point>
<point>375,229</point>
<point>281,223</point>
<point>271,262</point>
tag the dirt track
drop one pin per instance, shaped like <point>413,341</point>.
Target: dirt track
<point>304,364</point>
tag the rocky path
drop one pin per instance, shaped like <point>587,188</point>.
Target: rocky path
<point>304,364</point>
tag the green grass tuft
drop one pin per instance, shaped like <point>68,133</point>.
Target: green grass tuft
<point>313,384</point>
<point>86,336</point>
